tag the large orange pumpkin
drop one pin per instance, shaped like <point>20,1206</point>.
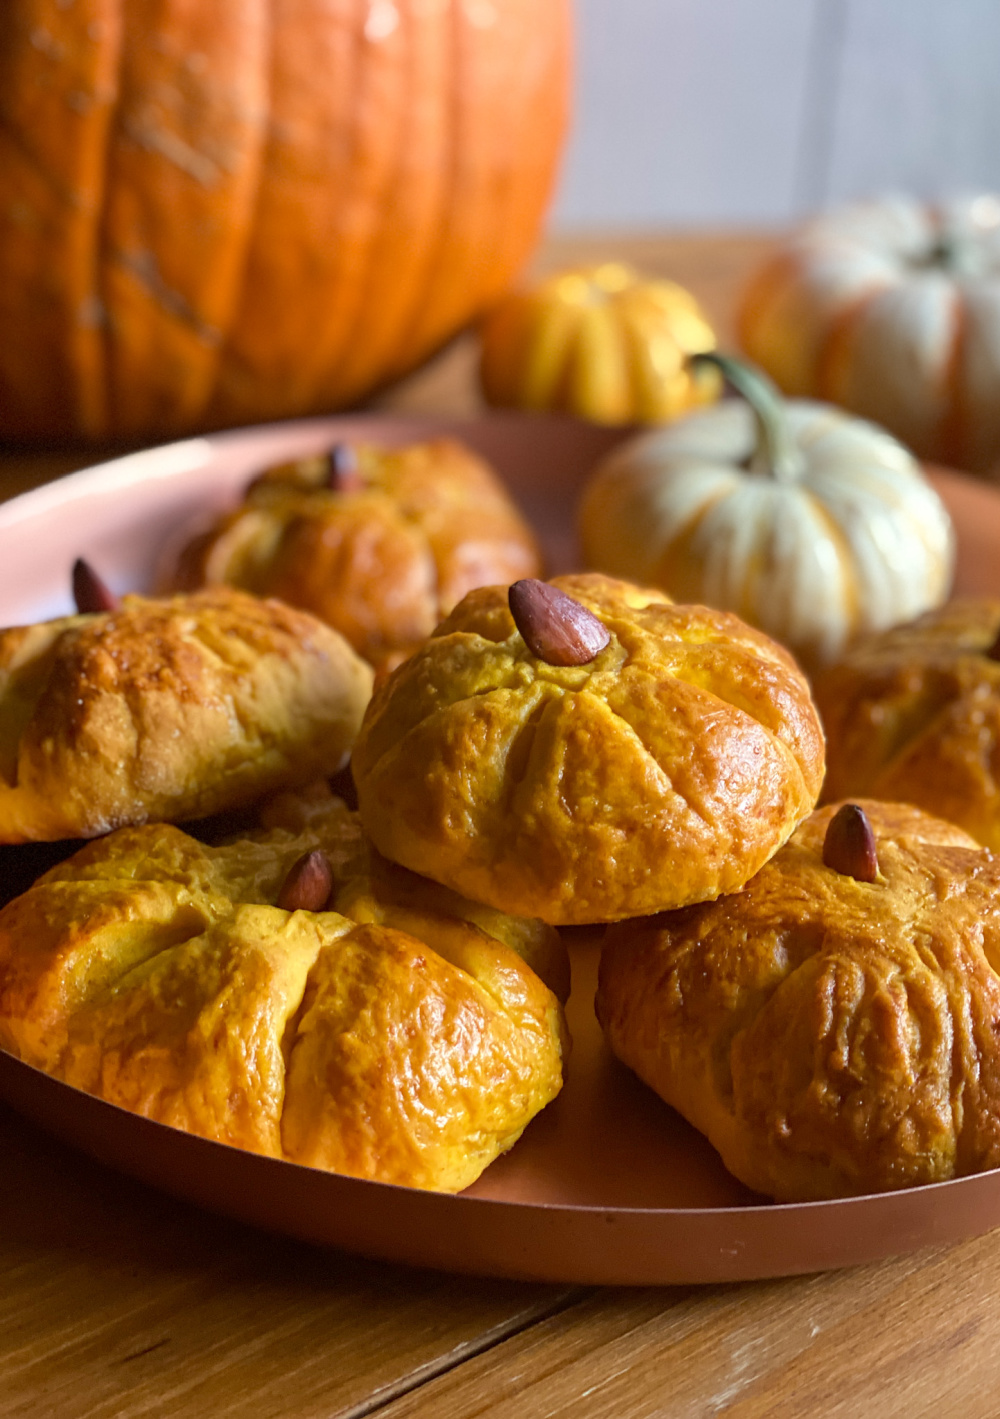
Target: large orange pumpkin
<point>216,211</point>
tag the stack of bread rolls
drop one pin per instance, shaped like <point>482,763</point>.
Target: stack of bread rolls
<point>381,992</point>
<point>286,990</point>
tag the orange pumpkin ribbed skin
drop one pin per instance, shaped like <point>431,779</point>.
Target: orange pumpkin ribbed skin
<point>216,213</point>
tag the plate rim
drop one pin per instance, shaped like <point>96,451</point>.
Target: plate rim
<point>22,1086</point>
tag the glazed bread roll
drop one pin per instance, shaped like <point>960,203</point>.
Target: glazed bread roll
<point>379,543</point>
<point>663,769</point>
<point>913,714</point>
<point>830,1035</point>
<point>370,888</point>
<point>371,1026</point>
<point>168,710</point>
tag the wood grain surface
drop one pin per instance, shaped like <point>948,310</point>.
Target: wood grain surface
<point>115,1300</point>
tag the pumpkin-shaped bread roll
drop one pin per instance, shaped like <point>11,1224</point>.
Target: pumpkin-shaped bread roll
<point>614,756</point>
<point>168,710</point>
<point>913,714</point>
<point>287,994</point>
<point>371,888</point>
<point>379,543</point>
<point>832,1027</point>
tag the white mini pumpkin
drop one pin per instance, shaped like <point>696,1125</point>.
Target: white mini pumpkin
<point>810,524</point>
<point>891,308</point>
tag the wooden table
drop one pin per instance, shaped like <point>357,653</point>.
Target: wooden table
<point>115,1300</point>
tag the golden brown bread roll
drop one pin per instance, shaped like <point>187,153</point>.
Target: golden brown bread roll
<point>370,888</point>
<point>168,709</point>
<point>379,543</point>
<point>389,1035</point>
<point>913,715</point>
<point>664,770</point>
<point>830,1036</point>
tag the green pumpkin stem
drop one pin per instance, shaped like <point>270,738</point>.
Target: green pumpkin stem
<point>774,454</point>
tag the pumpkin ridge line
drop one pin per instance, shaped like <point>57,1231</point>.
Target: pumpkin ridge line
<point>382,241</point>
<point>370,272</point>
<point>836,340</point>
<point>686,533</point>
<point>337,352</point>
<point>226,354</point>
<point>93,394</point>
<point>151,139</point>
<point>840,539</point>
<point>433,260</point>
<point>101,244</point>
<point>20,140</point>
<point>496,224</point>
<point>955,420</point>
<point>142,265</point>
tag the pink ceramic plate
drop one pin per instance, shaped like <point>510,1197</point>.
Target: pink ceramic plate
<point>608,1184</point>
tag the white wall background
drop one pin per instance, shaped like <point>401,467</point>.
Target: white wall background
<point>751,112</point>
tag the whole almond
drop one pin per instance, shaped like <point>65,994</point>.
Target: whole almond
<point>308,884</point>
<point>849,845</point>
<point>343,475</point>
<point>89,591</point>
<point>554,627</point>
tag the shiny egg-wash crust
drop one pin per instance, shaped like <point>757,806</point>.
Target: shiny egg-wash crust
<point>168,710</point>
<point>388,1037</point>
<point>665,771</point>
<point>913,715</point>
<point>381,560</point>
<point>830,1037</point>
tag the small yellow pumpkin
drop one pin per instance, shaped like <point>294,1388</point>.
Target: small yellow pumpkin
<point>601,342</point>
<point>808,523</point>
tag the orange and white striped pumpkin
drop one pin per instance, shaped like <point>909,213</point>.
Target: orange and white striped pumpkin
<point>891,309</point>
